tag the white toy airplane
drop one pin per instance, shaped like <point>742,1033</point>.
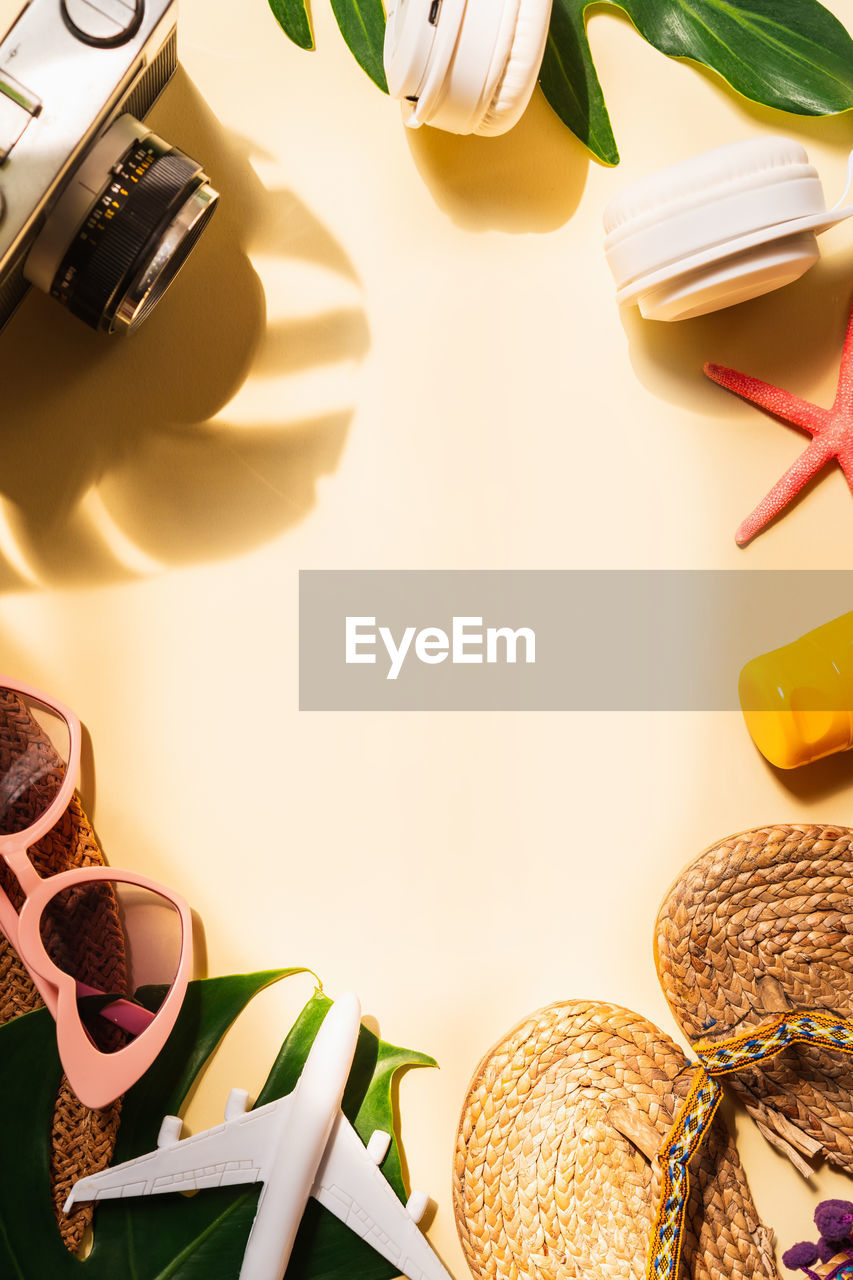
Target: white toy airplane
<point>300,1145</point>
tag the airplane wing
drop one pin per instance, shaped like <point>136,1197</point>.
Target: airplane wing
<point>238,1151</point>
<point>351,1185</point>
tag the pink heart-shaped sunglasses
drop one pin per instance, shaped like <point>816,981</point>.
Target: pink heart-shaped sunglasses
<point>108,951</point>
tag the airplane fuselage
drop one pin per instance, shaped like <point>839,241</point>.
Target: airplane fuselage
<point>293,1166</point>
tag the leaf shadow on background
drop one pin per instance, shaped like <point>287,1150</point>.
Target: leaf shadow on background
<point>530,179</point>
<point>110,444</point>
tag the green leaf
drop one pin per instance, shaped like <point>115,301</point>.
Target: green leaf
<point>570,83</point>
<point>789,54</point>
<point>174,1237</point>
<point>362,24</point>
<point>292,17</point>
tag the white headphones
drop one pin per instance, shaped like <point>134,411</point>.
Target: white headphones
<point>718,228</point>
<point>467,66</point>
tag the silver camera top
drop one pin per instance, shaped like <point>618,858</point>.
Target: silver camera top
<point>94,208</point>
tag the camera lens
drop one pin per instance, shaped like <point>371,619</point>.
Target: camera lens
<point>122,229</point>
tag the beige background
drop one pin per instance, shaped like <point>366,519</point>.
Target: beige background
<point>402,351</point>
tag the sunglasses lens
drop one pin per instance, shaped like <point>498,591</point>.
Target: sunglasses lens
<point>122,944</point>
<point>34,751</point>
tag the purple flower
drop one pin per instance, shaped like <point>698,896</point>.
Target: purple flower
<point>800,1255</point>
<point>834,1218</point>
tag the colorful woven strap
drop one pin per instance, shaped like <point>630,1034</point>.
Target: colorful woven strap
<point>699,1107</point>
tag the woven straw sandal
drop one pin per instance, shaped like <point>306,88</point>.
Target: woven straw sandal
<point>572,1159</point>
<point>757,931</point>
<point>82,1141</point>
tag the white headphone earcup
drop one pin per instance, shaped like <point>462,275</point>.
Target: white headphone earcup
<point>702,179</point>
<point>521,71</point>
<point>715,229</point>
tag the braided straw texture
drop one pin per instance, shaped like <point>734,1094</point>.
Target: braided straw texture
<point>762,923</point>
<point>82,1141</point>
<point>546,1186</point>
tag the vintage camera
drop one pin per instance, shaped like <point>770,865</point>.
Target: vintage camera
<point>95,209</point>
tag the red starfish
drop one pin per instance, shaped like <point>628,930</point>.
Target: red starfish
<point>831,431</point>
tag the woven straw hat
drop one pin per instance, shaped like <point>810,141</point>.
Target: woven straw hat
<point>81,1140</point>
<point>554,1172</point>
<point>763,923</point>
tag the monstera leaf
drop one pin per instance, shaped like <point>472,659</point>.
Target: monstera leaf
<point>201,1237</point>
<point>790,54</point>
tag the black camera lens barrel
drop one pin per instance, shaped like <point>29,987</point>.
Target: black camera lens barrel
<point>146,191</point>
<point>123,228</point>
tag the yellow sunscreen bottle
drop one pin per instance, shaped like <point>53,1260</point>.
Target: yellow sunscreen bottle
<point>798,700</point>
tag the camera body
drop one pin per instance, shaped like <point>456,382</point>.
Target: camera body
<point>73,75</point>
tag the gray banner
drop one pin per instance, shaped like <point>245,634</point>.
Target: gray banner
<point>549,640</point>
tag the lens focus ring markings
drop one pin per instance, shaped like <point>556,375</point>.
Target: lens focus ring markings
<point>127,174</point>
<point>138,203</point>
